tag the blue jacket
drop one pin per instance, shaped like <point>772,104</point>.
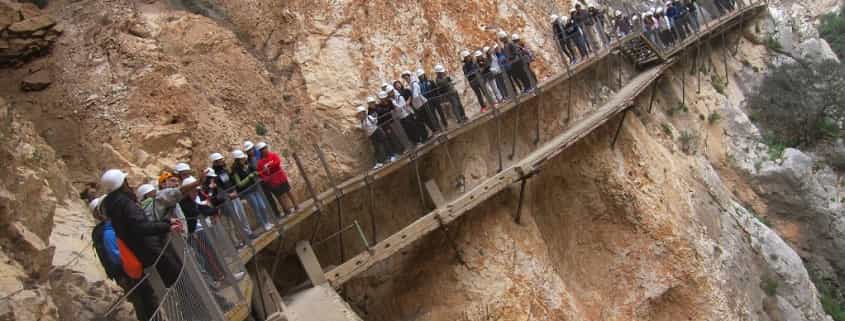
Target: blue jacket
<point>110,241</point>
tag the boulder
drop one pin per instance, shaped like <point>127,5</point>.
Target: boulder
<point>39,80</point>
<point>32,25</point>
<point>33,252</point>
<point>8,15</point>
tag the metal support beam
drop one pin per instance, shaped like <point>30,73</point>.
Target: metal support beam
<point>524,179</point>
<point>419,181</point>
<point>498,143</point>
<point>725,56</point>
<point>653,95</point>
<point>317,203</point>
<point>619,128</point>
<point>338,196</point>
<point>696,66</point>
<point>371,207</point>
<point>439,201</point>
<point>514,137</point>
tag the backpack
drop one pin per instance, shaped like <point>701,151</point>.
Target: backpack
<point>131,265</point>
<point>113,271</point>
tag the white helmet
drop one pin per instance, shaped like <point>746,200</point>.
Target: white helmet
<point>464,54</point>
<point>248,145</point>
<point>182,167</point>
<point>515,36</point>
<point>439,69</point>
<point>209,172</point>
<point>564,19</point>
<point>659,10</point>
<point>486,49</point>
<point>618,13</point>
<point>477,54</point>
<point>384,85</point>
<point>406,73</point>
<point>112,180</point>
<point>260,145</point>
<point>390,88</point>
<point>554,17</point>
<point>420,72</point>
<point>572,10</point>
<point>361,109</point>
<point>215,157</point>
<point>95,203</point>
<point>238,154</point>
<point>188,181</point>
<point>502,34</point>
<point>144,190</point>
<point>382,94</point>
<point>371,99</point>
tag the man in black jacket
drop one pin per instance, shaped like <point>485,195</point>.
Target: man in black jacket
<point>141,236</point>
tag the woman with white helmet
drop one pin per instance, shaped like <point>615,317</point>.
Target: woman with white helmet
<point>226,183</point>
<point>446,90</point>
<point>473,74</point>
<point>245,177</point>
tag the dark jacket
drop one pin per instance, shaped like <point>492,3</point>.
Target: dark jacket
<point>224,179</point>
<point>471,69</point>
<point>384,115</point>
<point>194,212</point>
<point>557,28</point>
<point>445,86</point>
<point>131,225</point>
<point>428,88</point>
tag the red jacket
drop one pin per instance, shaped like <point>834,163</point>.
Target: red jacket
<point>270,169</point>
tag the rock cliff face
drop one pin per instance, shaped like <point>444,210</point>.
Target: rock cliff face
<point>658,228</point>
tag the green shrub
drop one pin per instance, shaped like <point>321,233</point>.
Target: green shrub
<point>714,117</point>
<point>260,129</point>
<point>773,43</point>
<point>769,285</point>
<point>800,105</point>
<point>718,83</point>
<point>776,147</point>
<point>667,129</point>
<point>689,141</point>
<point>832,29</point>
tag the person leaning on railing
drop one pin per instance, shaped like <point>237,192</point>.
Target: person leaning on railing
<point>226,182</point>
<point>435,102</point>
<point>275,179</point>
<point>446,89</point>
<point>139,234</point>
<point>245,177</point>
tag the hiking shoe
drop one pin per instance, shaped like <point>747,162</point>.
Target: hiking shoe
<point>268,226</point>
<point>239,276</point>
<point>378,165</point>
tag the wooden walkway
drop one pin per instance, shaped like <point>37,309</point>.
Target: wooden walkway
<point>489,187</point>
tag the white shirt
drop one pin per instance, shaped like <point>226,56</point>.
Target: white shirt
<point>369,124</point>
<point>401,109</point>
<point>417,99</point>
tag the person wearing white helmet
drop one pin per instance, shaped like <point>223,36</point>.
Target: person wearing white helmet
<point>472,72</point>
<point>276,180</point>
<point>391,126</point>
<point>516,65</point>
<point>527,57</point>
<point>251,153</point>
<point>575,36</point>
<point>419,103</point>
<point>497,74</point>
<point>446,90</point>
<point>489,68</point>
<point>561,39</point>
<point>651,28</point>
<point>582,18</point>
<point>182,170</point>
<point>369,124</point>
<point>141,236</point>
<point>226,183</point>
<point>621,24</point>
<point>667,36</point>
<point>246,177</point>
<point>598,15</point>
<point>413,127</point>
<point>435,102</point>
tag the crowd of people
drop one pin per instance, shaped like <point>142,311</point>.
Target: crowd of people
<point>135,224</point>
<point>407,113</point>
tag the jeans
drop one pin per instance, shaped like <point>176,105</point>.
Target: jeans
<point>259,206</point>
<point>457,107</point>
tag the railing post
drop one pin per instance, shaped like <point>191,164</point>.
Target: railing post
<point>194,275</point>
<point>338,195</point>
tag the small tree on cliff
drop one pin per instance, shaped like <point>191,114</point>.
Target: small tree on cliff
<point>799,105</point>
